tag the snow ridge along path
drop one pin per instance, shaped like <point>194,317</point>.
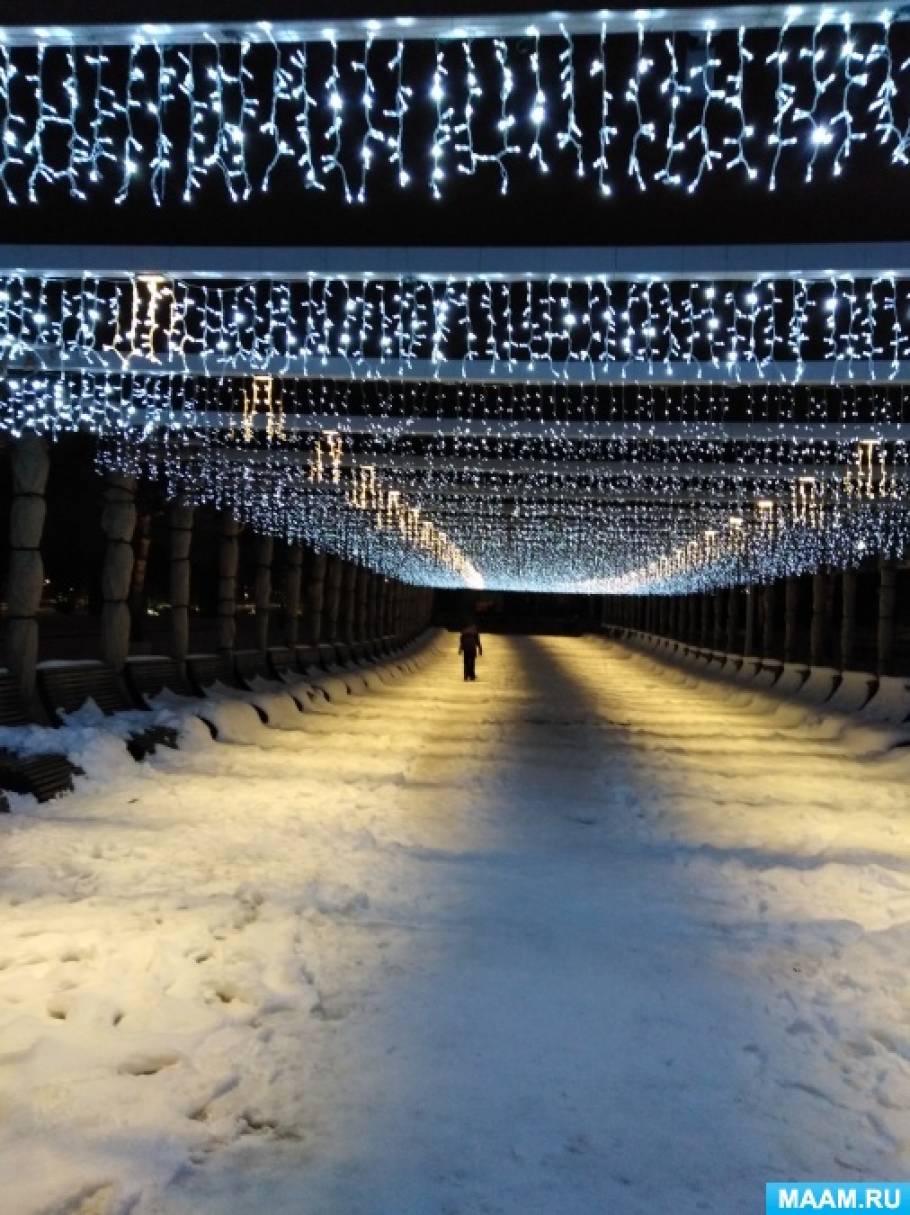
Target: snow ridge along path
<point>585,936</point>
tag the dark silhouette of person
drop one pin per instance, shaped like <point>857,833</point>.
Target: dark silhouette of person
<point>469,646</point>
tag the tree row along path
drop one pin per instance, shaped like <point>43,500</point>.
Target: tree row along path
<point>582,936</point>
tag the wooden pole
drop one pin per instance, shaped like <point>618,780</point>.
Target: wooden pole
<point>25,581</point>
<point>228,562</point>
<point>180,526</point>
<point>118,523</point>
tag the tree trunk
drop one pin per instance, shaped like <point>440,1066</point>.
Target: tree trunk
<point>25,582</point>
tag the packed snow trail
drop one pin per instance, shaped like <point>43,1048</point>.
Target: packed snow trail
<point>581,937</point>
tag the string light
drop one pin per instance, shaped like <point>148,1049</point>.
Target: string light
<point>545,487</point>
<point>593,328</point>
<point>648,99</point>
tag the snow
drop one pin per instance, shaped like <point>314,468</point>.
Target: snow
<point>587,935</point>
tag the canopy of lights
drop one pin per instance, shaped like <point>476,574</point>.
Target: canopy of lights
<point>590,420</point>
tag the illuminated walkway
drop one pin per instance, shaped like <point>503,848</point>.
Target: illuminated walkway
<point>574,939</point>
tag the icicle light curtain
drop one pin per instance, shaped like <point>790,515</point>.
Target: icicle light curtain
<point>626,101</point>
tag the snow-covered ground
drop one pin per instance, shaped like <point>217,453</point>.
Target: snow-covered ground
<point>580,937</point>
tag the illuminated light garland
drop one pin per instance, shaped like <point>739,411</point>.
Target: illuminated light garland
<point>851,328</point>
<point>640,99</point>
<point>540,509</point>
<point>823,522</point>
<point>385,534</point>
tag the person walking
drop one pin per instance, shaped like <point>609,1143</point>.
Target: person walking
<point>469,646</point>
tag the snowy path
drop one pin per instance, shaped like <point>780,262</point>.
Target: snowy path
<point>577,938</point>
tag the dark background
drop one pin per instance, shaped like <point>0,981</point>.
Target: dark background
<point>867,203</point>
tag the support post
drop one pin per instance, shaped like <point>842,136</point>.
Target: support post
<point>818,639</point>
<point>180,526</point>
<point>347,608</point>
<point>317,571</point>
<point>372,602</point>
<point>262,589</point>
<point>391,602</point>
<point>751,594</point>
<point>334,571</point>
<point>382,585</point>
<point>769,598</point>
<point>361,596</point>
<point>720,618</point>
<point>887,601</point>
<point>791,619</point>
<point>228,561</point>
<point>733,603</point>
<point>848,620</point>
<point>25,583</point>
<point>118,523</point>
<point>142,543</point>
<point>397,608</point>
<point>292,580</point>
<point>704,638</point>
